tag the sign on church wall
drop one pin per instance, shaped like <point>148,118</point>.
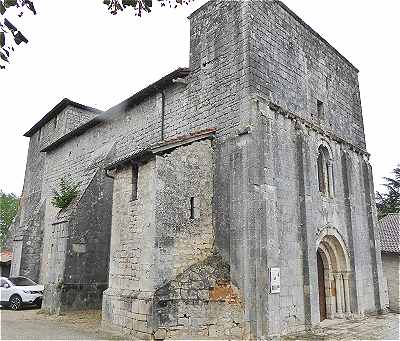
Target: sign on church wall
<point>275,280</point>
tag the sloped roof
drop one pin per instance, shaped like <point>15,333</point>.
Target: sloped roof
<point>150,90</point>
<point>55,111</point>
<point>124,105</point>
<point>389,232</point>
<point>164,146</point>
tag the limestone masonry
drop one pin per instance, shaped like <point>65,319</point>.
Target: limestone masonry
<point>231,199</point>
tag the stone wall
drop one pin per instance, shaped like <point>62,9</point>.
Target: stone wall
<point>32,204</point>
<point>81,160</point>
<point>75,272</point>
<point>31,193</point>
<point>77,264</point>
<point>257,74</point>
<point>87,261</point>
<point>199,302</point>
<point>391,271</point>
<point>185,173</point>
<point>294,67</point>
<point>218,83</point>
<point>156,244</point>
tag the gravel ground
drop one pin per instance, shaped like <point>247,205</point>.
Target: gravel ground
<point>31,324</point>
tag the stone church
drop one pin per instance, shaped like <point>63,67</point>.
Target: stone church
<point>231,199</point>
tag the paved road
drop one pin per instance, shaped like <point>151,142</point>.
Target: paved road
<point>381,327</point>
<point>29,325</point>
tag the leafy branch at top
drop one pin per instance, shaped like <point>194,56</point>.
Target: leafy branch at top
<point>115,6</point>
<point>64,196</point>
<point>9,34</point>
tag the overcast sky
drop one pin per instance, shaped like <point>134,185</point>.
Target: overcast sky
<point>78,50</point>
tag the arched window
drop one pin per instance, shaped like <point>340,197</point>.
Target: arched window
<point>325,173</point>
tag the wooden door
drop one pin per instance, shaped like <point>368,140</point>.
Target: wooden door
<point>321,286</point>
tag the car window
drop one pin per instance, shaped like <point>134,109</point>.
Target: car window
<point>21,281</point>
<point>2,282</point>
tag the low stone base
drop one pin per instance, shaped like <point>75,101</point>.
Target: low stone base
<point>52,299</point>
<point>128,312</point>
<point>66,297</point>
<point>143,316</point>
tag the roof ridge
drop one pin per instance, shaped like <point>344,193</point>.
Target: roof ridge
<point>136,98</point>
<point>60,106</point>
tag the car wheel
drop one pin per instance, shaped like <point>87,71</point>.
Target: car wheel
<point>15,302</point>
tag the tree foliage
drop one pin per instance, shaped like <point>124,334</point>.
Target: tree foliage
<point>115,6</point>
<point>389,202</point>
<point>65,194</point>
<point>8,210</point>
<point>9,34</point>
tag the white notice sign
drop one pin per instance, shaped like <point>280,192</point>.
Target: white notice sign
<point>275,280</point>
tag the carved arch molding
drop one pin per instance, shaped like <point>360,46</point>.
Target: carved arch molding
<point>332,248</point>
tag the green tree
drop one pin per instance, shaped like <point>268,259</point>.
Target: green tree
<point>389,202</point>
<point>65,194</point>
<point>8,210</point>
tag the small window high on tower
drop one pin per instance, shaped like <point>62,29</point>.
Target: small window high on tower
<point>320,110</point>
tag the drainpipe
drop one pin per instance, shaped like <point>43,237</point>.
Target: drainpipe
<point>162,114</point>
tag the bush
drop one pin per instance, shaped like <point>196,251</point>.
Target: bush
<point>67,192</point>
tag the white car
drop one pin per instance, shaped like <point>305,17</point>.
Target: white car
<point>15,292</point>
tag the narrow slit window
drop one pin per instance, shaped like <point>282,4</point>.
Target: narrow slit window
<point>135,173</point>
<point>40,135</point>
<point>55,122</point>
<point>192,208</point>
<point>320,110</point>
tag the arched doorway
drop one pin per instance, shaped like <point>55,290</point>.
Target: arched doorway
<point>333,275</point>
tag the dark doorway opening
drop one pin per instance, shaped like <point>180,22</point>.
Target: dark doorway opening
<point>321,287</point>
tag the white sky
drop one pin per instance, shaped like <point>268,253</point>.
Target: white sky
<point>78,50</point>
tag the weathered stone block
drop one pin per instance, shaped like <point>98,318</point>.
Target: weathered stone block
<point>160,334</point>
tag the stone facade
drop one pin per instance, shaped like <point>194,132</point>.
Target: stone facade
<point>252,159</point>
<point>43,236</point>
<point>391,271</point>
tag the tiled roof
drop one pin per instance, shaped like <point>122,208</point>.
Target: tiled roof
<point>389,231</point>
